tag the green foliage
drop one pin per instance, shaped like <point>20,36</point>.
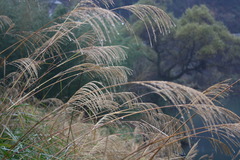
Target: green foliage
<point>147,2</point>
<point>206,39</point>
<point>198,48</point>
<point>225,11</point>
<point>27,15</point>
<point>197,14</point>
<point>59,11</point>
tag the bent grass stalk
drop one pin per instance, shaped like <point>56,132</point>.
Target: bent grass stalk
<point>102,103</point>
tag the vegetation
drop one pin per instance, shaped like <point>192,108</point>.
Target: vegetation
<point>224,11</point>
<point>196,50</point>
<point>32,12</point>
<point>103,119</point>
<point>202,46</point>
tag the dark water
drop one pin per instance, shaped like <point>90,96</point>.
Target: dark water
<point>232,103</point>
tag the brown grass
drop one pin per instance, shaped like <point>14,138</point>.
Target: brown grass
<point>102,119</point>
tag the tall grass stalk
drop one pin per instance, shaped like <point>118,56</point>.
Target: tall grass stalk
<point>103,119</point>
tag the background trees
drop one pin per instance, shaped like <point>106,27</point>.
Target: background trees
<point>225,11</point>
<point>27,15</point>
<point>199,49</point>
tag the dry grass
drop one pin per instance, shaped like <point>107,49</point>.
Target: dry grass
<point>98,121</point>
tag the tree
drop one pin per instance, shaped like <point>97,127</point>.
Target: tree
<point>225,11</point>
<point>198,48</point>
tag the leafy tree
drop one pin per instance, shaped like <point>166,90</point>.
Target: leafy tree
<point>198,48</point>
<point>225,11</point>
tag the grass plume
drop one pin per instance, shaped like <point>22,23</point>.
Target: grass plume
<point>103,119</point>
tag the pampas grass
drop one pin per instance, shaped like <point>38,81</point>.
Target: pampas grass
<point>102,119</point>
